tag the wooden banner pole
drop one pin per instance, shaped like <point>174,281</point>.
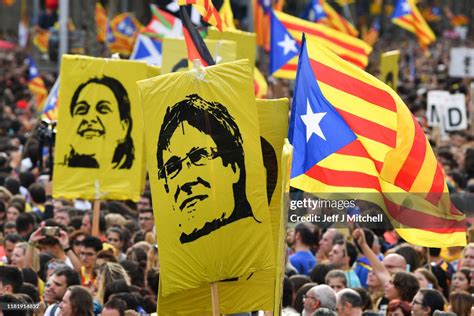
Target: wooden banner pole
<point>215,299</point>
<point>96,218</point>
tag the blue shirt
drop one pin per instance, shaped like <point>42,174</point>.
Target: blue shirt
<point>303,261</point>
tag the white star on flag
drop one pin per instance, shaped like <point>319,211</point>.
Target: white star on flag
<point>312,122</point>
<point>405,7</point>
<point>288,45</point>
<point>318,8</point>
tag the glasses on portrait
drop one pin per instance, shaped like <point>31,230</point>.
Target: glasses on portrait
<point>197,157</point>
<point>414,302</point>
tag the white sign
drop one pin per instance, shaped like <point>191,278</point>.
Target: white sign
<point>454,113</point>
<point>436,100</point>
<point>462,62</point>
<point>448,109</point>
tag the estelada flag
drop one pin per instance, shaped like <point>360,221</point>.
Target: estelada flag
<point>99,142</point>
<point>206,169</point>
<point>36,84</point>
<point>320,11</point>
<point>407,16</point>
<point>353,134</point>
<point>286,33</point>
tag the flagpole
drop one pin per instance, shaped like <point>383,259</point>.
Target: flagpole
<point>215,299</point>
<point>63,29</point>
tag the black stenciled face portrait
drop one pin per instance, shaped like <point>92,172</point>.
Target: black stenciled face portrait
<point>100,112</point>
<point>200,161</point>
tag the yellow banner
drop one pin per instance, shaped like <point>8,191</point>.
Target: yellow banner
<point>175,56</point>
<point>99,142</point>
<point>206,169</point>
<point>256,292</point>
<point>389,68</point>
<point>246,42</point>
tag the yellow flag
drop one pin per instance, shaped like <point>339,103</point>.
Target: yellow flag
<point>175,55</point>
<point>285,171</point>
<point>246,42</point>
<point>206,169</point>
<point>389,68</point>
<point>99,143</point>
<point>227,14</point>
<point>153,71</point>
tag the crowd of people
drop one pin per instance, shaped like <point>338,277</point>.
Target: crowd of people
<point>49,255</point>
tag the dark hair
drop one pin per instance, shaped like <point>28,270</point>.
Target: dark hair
<point>461,303</point>
<point>117,304</point>
<point>13,185</point>
<point>146,210</point>
<point>10,275</point>
<point>406,284</point>
<point>135,271</point>
<point>298,280</point>
<point>319,272</point>
<point>410,255</point>
<point>364,295</point>
<point>124,150</point>
<point>10,224</point>
<point>81,301</point>
<point>3,207</point>
<point>350,251</point>
<point>71,276</point>
<point>369,238</point>
<point>92,242</point>
<point>23,221</point>
<point>404,306</point>
<point>102,221</point>
<point>288,291</point>
<point>117,231</point>
<point>30,290</point>
<point>30,276</point>
<point>13,299</point>
<point>467,274</point>
<point>27,178</point>
<point>13,238</point>
<point>432,299</point>
<point>128,298</point>
<point>306,233</point>
<point>114,287</point>
<point>37,193</point>
<point>435,252</point>
<point>213,119</point>
<point>153,280</point>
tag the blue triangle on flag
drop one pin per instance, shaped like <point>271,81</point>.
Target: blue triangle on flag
<point>316,130</point>
<point>283,47</point>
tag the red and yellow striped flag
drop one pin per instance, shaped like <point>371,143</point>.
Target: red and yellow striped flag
<point>345,46</point>
<point>36,84</point>
<point>407,16</point>
<point>101,21</point>
<point>208,11</point>
<point>372,144</point>
<point>337,22</point>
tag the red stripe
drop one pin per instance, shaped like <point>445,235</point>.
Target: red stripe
<point>311,31</point>
<point>403,215</point>
<point>357,149</point>
<point>415,159</point>
<point>343,178</point>
<point>419,31</point>
<point>193,52</point>
<point>437,187</point>
<point>415,219</point>
<point>353,86</point>
<point>369,129</point>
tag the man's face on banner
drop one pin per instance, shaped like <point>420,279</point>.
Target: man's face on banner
<point>200,185</point>
<point>96,118</point>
